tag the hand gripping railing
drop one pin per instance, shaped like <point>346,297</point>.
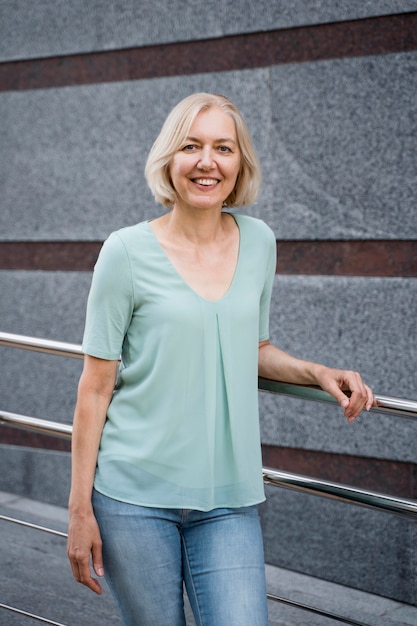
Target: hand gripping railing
<point>393,406</point>
<point>344,493</point>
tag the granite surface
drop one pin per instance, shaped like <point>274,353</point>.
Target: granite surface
<point>343,158</point>
<point>374,551</point>
<point>356,323</point>
<point>337,40</point>
<point>43,475</point>
<point>336,141</point>
<point>30,560</point>
<point>71,26</point>
<point>365,324</point>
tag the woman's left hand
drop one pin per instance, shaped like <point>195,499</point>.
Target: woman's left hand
<point>275,364</point>
<point>336,382</point>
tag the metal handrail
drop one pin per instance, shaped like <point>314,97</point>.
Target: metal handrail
<point>335,491</point>
<point>315,611</point>
<point>37,425</point>
<point>394,406</point>
<point>342,493</point>
<point>60,348</point>
<point>19,522</point>
<point>297,482</point>
<point>38,618</point>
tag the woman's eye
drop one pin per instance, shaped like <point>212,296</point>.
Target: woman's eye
<point>224,149</point>
<point>189,148</point>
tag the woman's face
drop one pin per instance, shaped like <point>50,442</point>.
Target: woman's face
<point>205,168</point>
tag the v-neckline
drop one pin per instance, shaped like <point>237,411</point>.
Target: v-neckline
<point>185,282</point>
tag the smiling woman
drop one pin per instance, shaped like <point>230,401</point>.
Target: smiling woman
<point>168,483</point>
<point>173,137</point>
<point>204,172</point>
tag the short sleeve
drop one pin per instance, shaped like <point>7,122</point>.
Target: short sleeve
<point>110,302</point>
<point>270,269</point>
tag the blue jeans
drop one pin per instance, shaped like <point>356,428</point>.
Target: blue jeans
<point>149,553</point>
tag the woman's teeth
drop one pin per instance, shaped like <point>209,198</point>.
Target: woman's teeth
<point>205,181</point>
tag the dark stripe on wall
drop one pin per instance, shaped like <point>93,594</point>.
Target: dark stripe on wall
<point>385,258</point>
<point>395,478</point>
<point>16,437</point>
<point>58,256</point>
<point>372,36</point>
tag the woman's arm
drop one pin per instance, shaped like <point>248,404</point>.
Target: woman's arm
<point>94,394</point>
<point>276,364</point>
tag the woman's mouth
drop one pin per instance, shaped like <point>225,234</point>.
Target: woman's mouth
<point>205,182</point>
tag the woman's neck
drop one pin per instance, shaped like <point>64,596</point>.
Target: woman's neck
<point>196,226</point>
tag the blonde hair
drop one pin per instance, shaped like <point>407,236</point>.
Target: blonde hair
<point>173,133</point>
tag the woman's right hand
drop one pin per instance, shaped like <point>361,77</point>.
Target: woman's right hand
<point>84,543</point>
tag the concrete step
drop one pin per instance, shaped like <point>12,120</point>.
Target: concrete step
<point>35,577</point>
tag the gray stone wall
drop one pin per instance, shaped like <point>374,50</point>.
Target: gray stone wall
<point>361,323</point>
<point>58,27</point>
<point>337,142</point>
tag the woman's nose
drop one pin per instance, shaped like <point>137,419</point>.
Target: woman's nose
<point>206,159</point>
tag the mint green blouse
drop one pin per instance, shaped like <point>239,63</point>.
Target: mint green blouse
<point>182,428</point>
